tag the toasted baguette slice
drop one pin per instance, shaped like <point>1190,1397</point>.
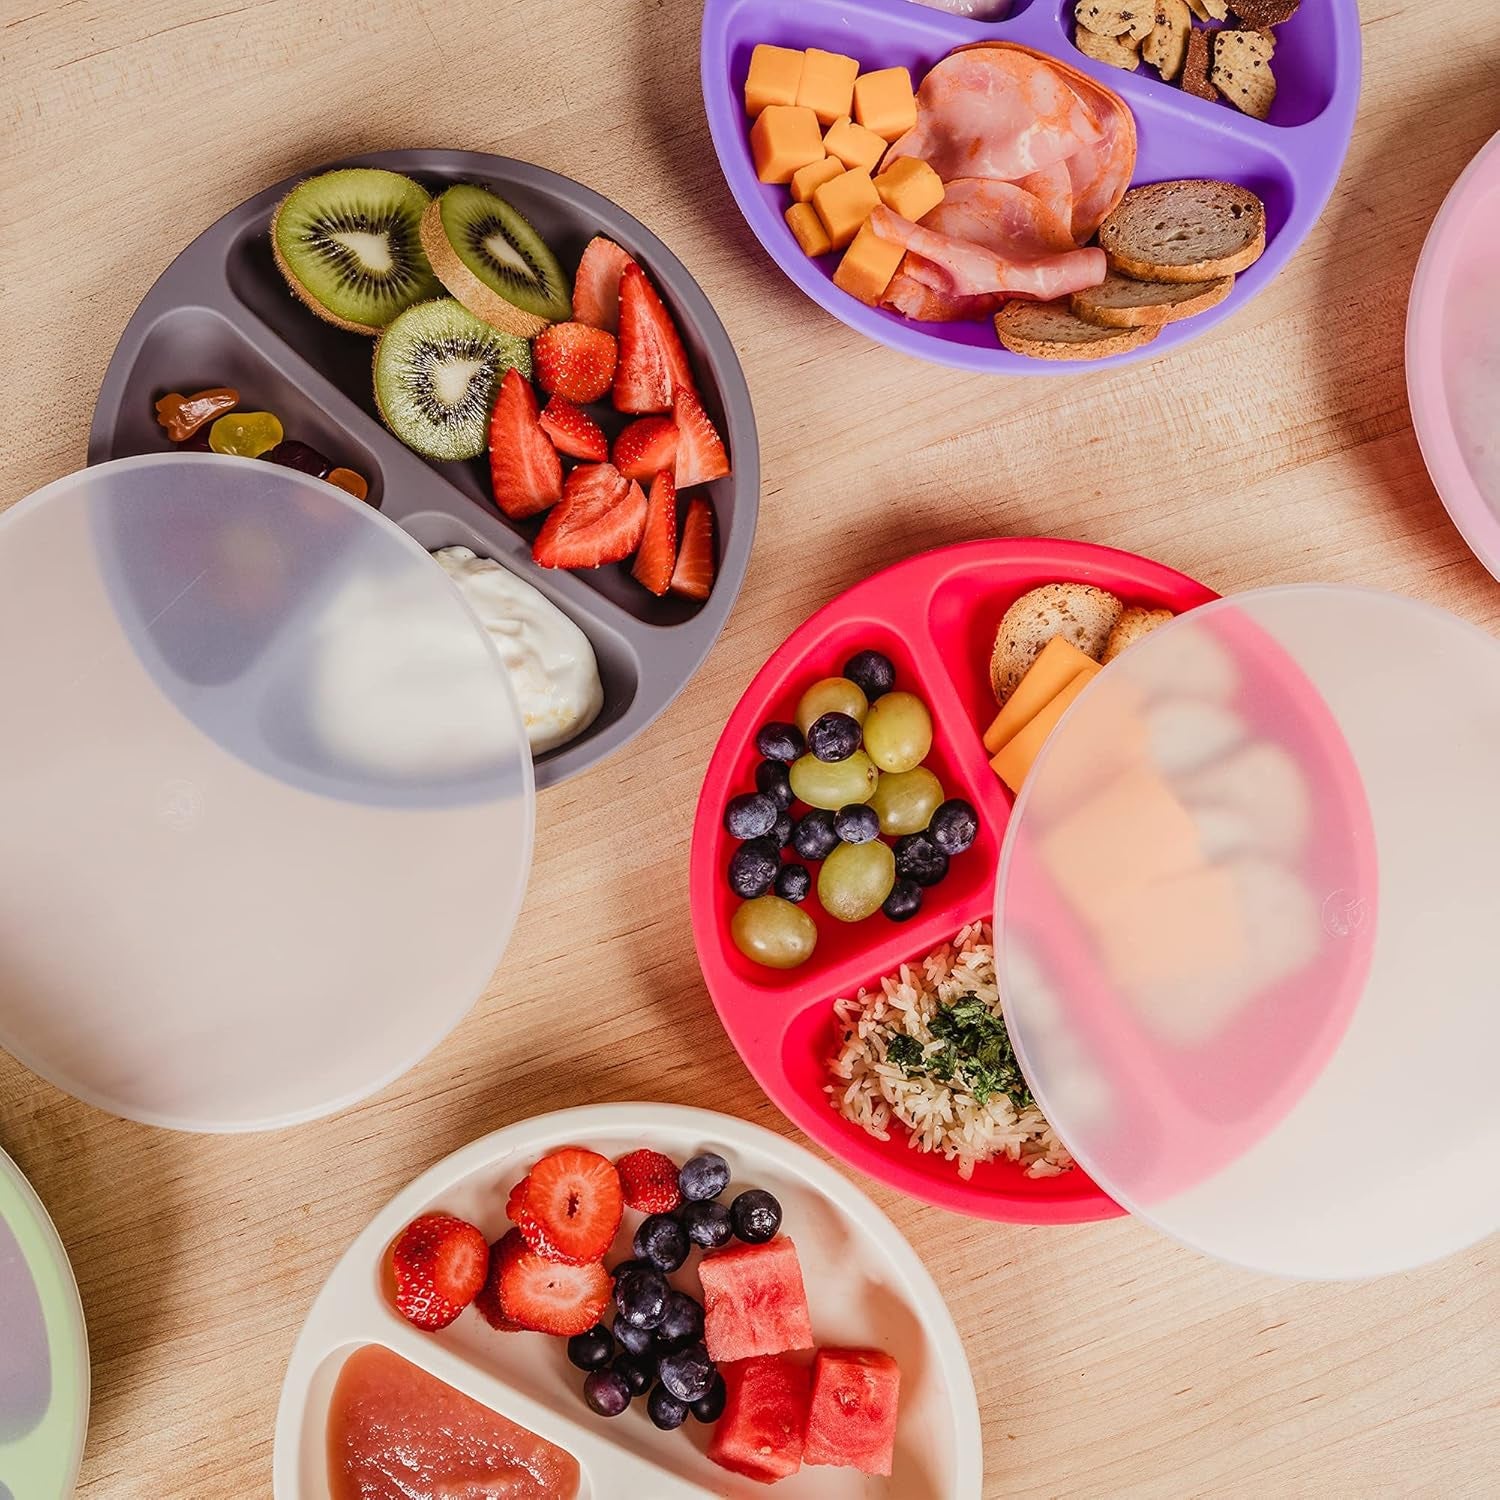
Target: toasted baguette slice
<point>1165,47</point>
<point>1195,67</point>
<point>1123,302</point>
<point>1133,624</point>
<point>1193,230</point>
<point>1049,330</point>
<point>1242,70</point>
<point>1117,18</point>
<point>1118,52</point>
<point>1080,613</point>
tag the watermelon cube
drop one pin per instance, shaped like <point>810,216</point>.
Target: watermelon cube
<point>761,1432</point>
<point>852,1421</point>
<point>754,1301</point>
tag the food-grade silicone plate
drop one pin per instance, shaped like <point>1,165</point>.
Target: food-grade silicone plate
<point>1291,160</point>
<point>221,314</point>
<point>44,1350</point>
<point>935,616</point>
<point>866,1288</point>
<point>1453,354</point>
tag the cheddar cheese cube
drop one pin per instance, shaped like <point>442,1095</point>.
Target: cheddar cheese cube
<point>783,138</point>
<point>1013,764</point>
<point>802,219</point>
<point>807,180</point>
<point>868,265</point>
<point>910,188</point>
<point>844,203</point>
<point>827,84</point>
<point>884,102</point>
<point>774,77</point>
<point>859,149</point>
<point>1056,665</point>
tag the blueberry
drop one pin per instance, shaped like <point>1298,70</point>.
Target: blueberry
<point>664,1409</point>
<point>781,834</point>
<point>703,1176</point>
<point>857,823</point>
<point>834,736</point>
<point>756,1216</point>
<point>687,1373</point>
<point>606,1392</point>
<point>590,1350</point>
<point>871,673</point>
<point>954,826</point>
<point>779,741</point>
<point>919,859</point>
<point>707,1224</point>
<point>772,779</point>
<point>710,1407</point>
<point>637,1371</point>
<point>750,815</point>
<point>753,867</point>
<point>641,1297</point>
<point>662,1241</point>
<point>793,883</point>
<point>904,901</point>
<point>682,1322</point>
<point>626,1266</point>
<point>634,1340</point>
<point>813,837</point>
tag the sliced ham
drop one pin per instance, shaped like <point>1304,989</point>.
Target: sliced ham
<point>1001,112</point>
<point>1002,216</point>
<point>915,299</point>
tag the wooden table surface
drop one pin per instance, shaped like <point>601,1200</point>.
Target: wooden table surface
<point>1109,1362</point>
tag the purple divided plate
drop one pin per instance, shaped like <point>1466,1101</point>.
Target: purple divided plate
<point>221,314</point>
<point>1292,160</point>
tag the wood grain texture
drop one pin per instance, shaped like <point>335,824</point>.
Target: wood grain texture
<point>1109,1362</point>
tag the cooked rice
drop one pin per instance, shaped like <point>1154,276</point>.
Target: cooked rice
<point>938,1116</point>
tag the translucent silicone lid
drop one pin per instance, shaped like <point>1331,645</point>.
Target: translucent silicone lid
<point>1245,919</point>
<point>266,800</point>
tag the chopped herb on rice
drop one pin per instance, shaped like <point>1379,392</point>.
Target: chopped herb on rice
<point>929,1049</point>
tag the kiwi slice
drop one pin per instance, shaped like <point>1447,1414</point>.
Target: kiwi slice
<point>350,245</point>
<point>494,262</point>
<point>437,368</point>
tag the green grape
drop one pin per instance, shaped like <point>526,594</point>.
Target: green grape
<point>898,732</point>
<point>773,932</point>
<point>831,695</point>
<point>833,784</point>
<point>906,800</point>
<point>856,879</point>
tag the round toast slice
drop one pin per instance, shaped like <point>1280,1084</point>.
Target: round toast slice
<point>1123,302</point>
<point>1193,230</point>
<point>1134,623</point>
<point>1050,330</point>
<point>1082,614</point>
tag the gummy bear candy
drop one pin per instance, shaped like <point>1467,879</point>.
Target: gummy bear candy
<point>291,454</point>
<point>347,479</point>
<point>246,434</point>
<point>182,416</point>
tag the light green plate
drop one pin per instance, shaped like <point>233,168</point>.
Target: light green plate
<point>44,1351</point>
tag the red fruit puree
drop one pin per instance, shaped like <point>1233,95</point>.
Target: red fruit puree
<point>395,1431</point>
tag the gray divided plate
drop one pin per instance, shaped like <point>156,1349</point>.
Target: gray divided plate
<point>221,314</point>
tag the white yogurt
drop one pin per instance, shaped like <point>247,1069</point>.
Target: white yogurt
<point>551,663</point>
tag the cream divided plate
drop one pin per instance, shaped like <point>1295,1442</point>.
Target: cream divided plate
<point>866,1288</point>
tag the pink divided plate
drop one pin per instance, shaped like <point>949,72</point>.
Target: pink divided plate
<point>865,1285</point>
<point>1453,354</point>
<point>1292,160</point>
<point>935,616</point>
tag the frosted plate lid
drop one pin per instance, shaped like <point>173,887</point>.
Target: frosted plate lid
<point>266,796</point>
<point>1245,923</point>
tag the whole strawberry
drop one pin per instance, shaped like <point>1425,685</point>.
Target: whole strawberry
<point>440,1263</point>
<point>575,361</point>
<point>649,1181</point>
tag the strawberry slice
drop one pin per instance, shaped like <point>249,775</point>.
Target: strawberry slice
<point>525,471</point>
<point>517,1200</point>
<point>693,577</point>
<point>596,286</point>
<point>647,445</point>
<point>440,1264</point>
<point>487,1299</point>
<point>649,1179</point>
<point>573,431</point>
<point>572,1206</point>
<point>652,360</point>
<point>574,361</point>
<point>658,554</point>
<point>548,1296</point>
<point>599,520</point>
<point>700,450</point>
